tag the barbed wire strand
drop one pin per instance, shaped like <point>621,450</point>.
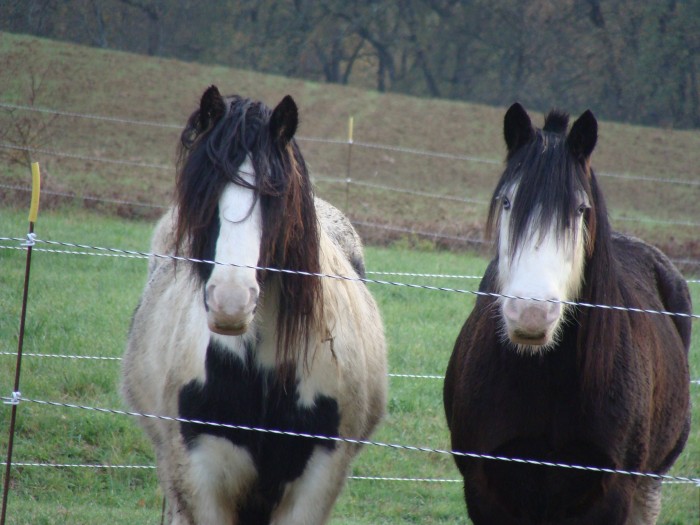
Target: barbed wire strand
<point>73,114</point>
<point>118,359</point>
<point>354,478</point>
<point>138,254</point>
<point>65,356</point>
<point>153,467</point>
<point>369,272</point>
<point>352,441</point>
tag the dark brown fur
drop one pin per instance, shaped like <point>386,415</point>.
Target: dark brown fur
<point>613,393</point>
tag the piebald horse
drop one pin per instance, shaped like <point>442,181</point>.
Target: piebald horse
<point>239,344</point>
<point>544,380</point>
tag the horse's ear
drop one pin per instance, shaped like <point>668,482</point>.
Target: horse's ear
<point>583,136</point>
<point>517,128</point>
<point>284,121</point>
<point>211,108</point>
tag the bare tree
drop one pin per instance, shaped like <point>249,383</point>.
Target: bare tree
<point>23,131</point>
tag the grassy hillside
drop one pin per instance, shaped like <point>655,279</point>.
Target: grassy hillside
<point>132,162</point>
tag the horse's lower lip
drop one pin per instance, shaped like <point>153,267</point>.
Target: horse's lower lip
<point>229,329</point>
<point>520,338</point>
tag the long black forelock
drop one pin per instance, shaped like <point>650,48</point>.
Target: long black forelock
<point>548,183</point>
<point>239,135</point>
<point>208,160</point>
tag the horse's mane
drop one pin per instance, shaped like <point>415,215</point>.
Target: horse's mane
<point>545,168</point>
<point>601,332</point>
<point>215,142</point>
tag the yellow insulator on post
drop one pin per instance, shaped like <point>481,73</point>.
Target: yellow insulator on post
<point>36,190</point>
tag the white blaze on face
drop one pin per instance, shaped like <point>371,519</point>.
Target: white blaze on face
<point>546,265</point>
<point>232,291</point>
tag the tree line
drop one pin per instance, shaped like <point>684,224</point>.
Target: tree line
<point>628,60</point>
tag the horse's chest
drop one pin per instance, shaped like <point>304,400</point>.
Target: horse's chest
<point>238,393</point>
<point>535,396</point>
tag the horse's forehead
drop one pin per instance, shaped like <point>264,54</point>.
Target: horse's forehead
<point>237,200</point>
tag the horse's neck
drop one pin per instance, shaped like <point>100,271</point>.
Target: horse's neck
<point>602,280</point>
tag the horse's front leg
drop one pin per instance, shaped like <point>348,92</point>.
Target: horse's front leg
<point>308,500</point>
<point>220,473</point>
<point>646,504</point>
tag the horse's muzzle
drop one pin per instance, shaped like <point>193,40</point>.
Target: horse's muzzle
<point>230,309</point>
<point>531,323</point>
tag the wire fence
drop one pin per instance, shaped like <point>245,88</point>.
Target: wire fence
<point>85,249</point>
<point>694,382</point>
<point>118,252</point>
<point>16,398</point>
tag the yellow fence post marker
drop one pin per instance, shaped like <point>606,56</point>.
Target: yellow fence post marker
<point>36,190</point>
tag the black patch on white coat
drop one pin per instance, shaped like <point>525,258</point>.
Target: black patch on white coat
<point>237,392</point>
<point>204,270</point>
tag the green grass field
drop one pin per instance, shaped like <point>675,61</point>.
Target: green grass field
<point>81,305</point>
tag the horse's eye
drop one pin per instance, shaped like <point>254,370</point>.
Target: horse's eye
<point>582,209</point>
<point>506,203</point>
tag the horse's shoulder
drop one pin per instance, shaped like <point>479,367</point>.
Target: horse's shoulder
<point>162,239</point>
<point>341,232</point>
<point>636,255</point>
<point>646,265</point>
<point>481,323</point>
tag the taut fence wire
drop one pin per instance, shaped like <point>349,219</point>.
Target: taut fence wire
<point>365,442</point>
<point>133,254</point>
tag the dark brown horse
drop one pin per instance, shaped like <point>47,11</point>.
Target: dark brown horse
<point>543,380</point>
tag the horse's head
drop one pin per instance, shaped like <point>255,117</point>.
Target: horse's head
<point>231,292</point>
<point>239,200</point>
<point>542,213</point>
